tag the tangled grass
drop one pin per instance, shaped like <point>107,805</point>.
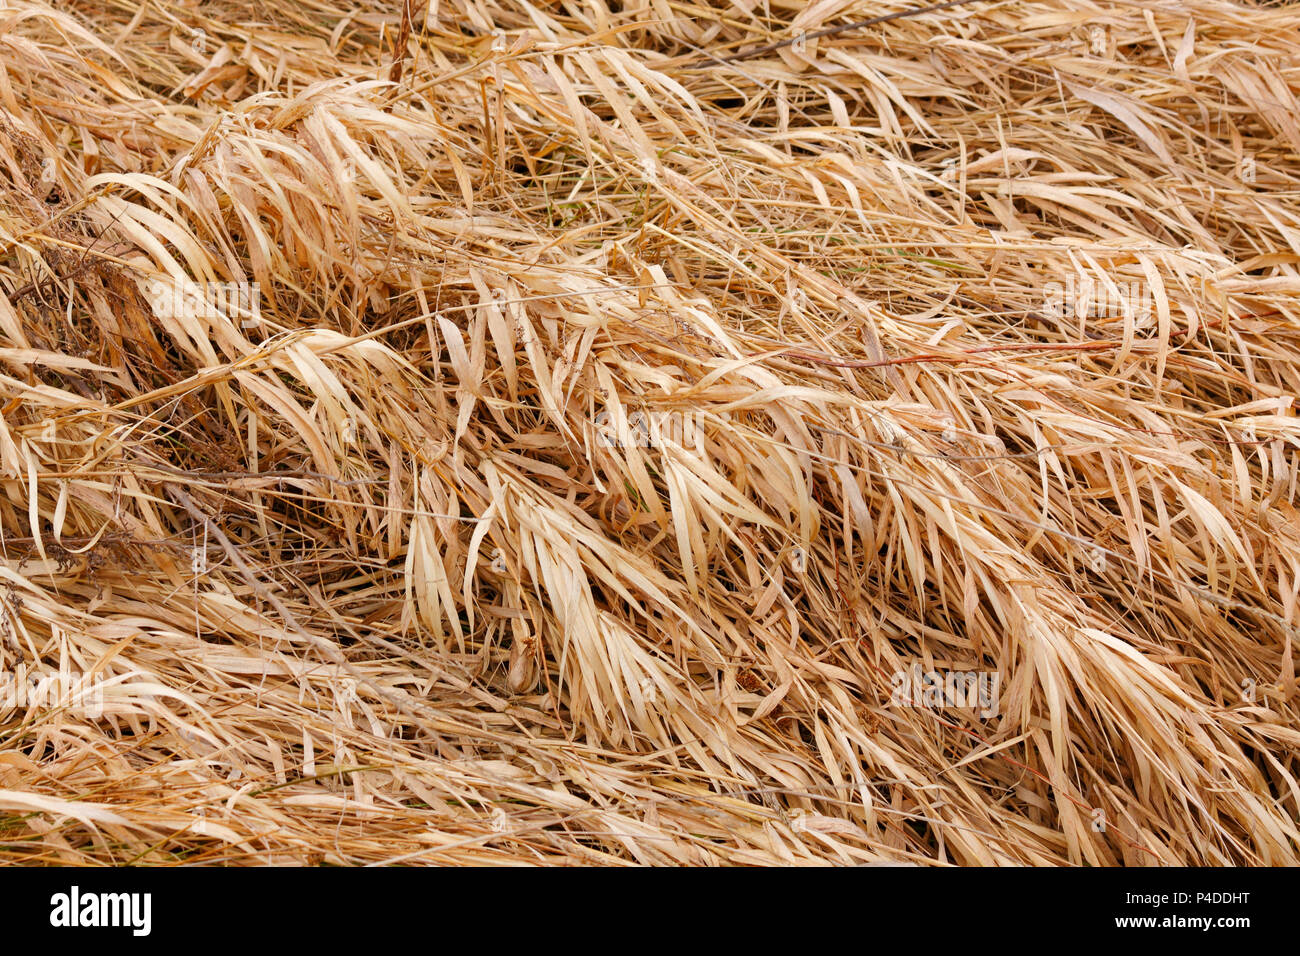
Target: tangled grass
<point>617,399</point>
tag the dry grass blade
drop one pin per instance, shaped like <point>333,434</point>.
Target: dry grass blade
<point>480,432</point>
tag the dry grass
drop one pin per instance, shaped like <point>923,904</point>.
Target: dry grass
<point>369,582</point>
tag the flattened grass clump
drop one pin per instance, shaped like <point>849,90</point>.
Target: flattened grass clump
<point>476,432</point>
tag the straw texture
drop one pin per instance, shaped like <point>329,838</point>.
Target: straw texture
<point>618,398</point>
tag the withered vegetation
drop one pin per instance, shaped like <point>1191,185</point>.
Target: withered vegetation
<point>625,396</point>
